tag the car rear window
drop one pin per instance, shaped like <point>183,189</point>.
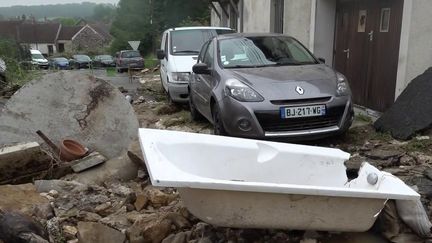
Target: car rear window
<point>130,54</point>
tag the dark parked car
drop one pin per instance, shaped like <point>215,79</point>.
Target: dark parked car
<point>2,70</point>
<point>80,61</point>
<point>103,61</point>
<point>59,63</point>
<point>268,86</point>
<point>129,59</point>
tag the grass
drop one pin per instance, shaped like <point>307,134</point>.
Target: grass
<point>111,72</point>
<point>151,61</point>
<point>363,118</point>
<point>418,145</point>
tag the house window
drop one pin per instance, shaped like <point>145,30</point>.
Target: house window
<point>50,50</point>
<point>61,47</point>
<point>385,20</point>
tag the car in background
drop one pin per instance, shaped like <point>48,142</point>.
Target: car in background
<point>179,51</point>
<point>59,63</point>
<point>268,86</point>
<point>80,61</point>
<point>104,61</point>
<point>38,60</point>
<point>129,59</point>
<point>2,70</point>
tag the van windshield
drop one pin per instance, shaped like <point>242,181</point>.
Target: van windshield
<point>189,42</point>
<point>37,56</point>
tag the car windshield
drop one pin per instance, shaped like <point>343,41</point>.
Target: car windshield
<point>130,54</point>
<point>60,59</point>
<point>37,56</point>
<point>189,42</point>
<point>263,51</point>
<point>105,57</point>
<point>82,58</point>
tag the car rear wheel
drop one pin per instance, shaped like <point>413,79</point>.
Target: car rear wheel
<point>218,127</point>
<point>195,114</point>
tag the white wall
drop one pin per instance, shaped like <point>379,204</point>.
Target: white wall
<point>298,20</point>
<point>416,44</point>
<point>43,47</point>
<point>324,30</point>
<point>256,16</point>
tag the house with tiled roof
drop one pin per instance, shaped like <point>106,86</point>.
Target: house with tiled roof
<point>51,38</point>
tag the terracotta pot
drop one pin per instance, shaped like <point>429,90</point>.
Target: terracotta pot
<point>71,150</point>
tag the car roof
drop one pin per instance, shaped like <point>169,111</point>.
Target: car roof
<point>198,28</point>
<point>239,35</point>
<point>35,52</point>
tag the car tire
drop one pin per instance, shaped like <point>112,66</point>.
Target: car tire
<point>195,114</point>
<point>218,127</point>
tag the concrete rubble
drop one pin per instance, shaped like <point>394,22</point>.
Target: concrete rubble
<point>114,201</point>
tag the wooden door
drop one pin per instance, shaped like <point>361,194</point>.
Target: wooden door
<point>365,52</point>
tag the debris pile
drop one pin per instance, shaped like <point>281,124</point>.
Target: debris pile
<point>113,201</point>
<point>412,111</point>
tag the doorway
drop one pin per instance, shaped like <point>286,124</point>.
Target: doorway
<point>366,50</point>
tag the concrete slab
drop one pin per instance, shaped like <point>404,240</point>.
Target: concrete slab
<point>89,161</point>
<point>70,105</point>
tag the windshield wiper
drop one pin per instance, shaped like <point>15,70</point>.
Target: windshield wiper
<point>187,51</point>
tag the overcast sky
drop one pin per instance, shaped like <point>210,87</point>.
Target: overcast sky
<point>7,3</point>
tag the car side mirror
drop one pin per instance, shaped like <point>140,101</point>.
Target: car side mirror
<point>201,68</point>
<point>322,60</point>
<point>160,54</point>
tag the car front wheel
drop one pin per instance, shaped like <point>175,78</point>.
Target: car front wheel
<point>218,127</point>
<point>195,114</point>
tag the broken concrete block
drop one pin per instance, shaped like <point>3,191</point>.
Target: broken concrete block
<point>20,160</point>
<point>120,168</point>
<point>98,233</point>
<point>412,111</point>
<point>90,161</point>
<point>70,105</point>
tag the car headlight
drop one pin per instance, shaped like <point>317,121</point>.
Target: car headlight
<point>342,85</point>
<point>241,91</point>
<point>180,77</point>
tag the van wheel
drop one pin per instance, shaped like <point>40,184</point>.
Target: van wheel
<point>162,86</point>
<point>195,114</point>
<point>218,127</point>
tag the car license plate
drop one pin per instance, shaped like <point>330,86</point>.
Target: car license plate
<point>303,111</point>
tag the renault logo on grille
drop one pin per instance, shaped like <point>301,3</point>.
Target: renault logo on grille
<point>299,90</point>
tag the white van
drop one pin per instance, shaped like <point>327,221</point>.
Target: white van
<point>179,52</point>
<point>37,59</point>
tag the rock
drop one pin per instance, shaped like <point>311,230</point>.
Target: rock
<point>178,220</point>
<point>157,197</point>
<point>59,186</point>
<point>122,191</point>
<point>407,160</point>
<point>153,228</point>
<point>22,198</point>
<point>117,220</point>
<point>16,227</point>
<point>43,211</point>
<point>104,209</point>
<point>89,232</point>
<point>423,184</point>
<point>87,162</point>
<point>421,138</point>
<point>177,238</point>
<point>135,154</point>
<point>70,231</point>
<point>421,158</point>
<point>20,162</point>
<point>141,174</point>
<point>88,216</point>
<point>205,240</point>
<point>120,168</point>
<point>404,118</point>
<point>428,173</point>
<point>141,202</point>
<point>382,154</point>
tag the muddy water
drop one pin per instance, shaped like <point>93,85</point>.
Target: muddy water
<point>366,237</point>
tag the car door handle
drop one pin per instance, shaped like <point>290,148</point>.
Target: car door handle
<point>347,51</point>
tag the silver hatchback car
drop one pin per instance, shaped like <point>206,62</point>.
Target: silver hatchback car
<point>268,86</point>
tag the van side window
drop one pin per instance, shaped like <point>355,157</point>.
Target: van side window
<point>208,58</point>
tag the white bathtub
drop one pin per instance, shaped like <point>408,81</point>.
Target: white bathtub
<point>243,183</point>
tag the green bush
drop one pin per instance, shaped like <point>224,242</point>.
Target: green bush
<point>15,57</point>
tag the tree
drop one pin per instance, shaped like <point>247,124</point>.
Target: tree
<point>104,12</point>
<point>145,20</point>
